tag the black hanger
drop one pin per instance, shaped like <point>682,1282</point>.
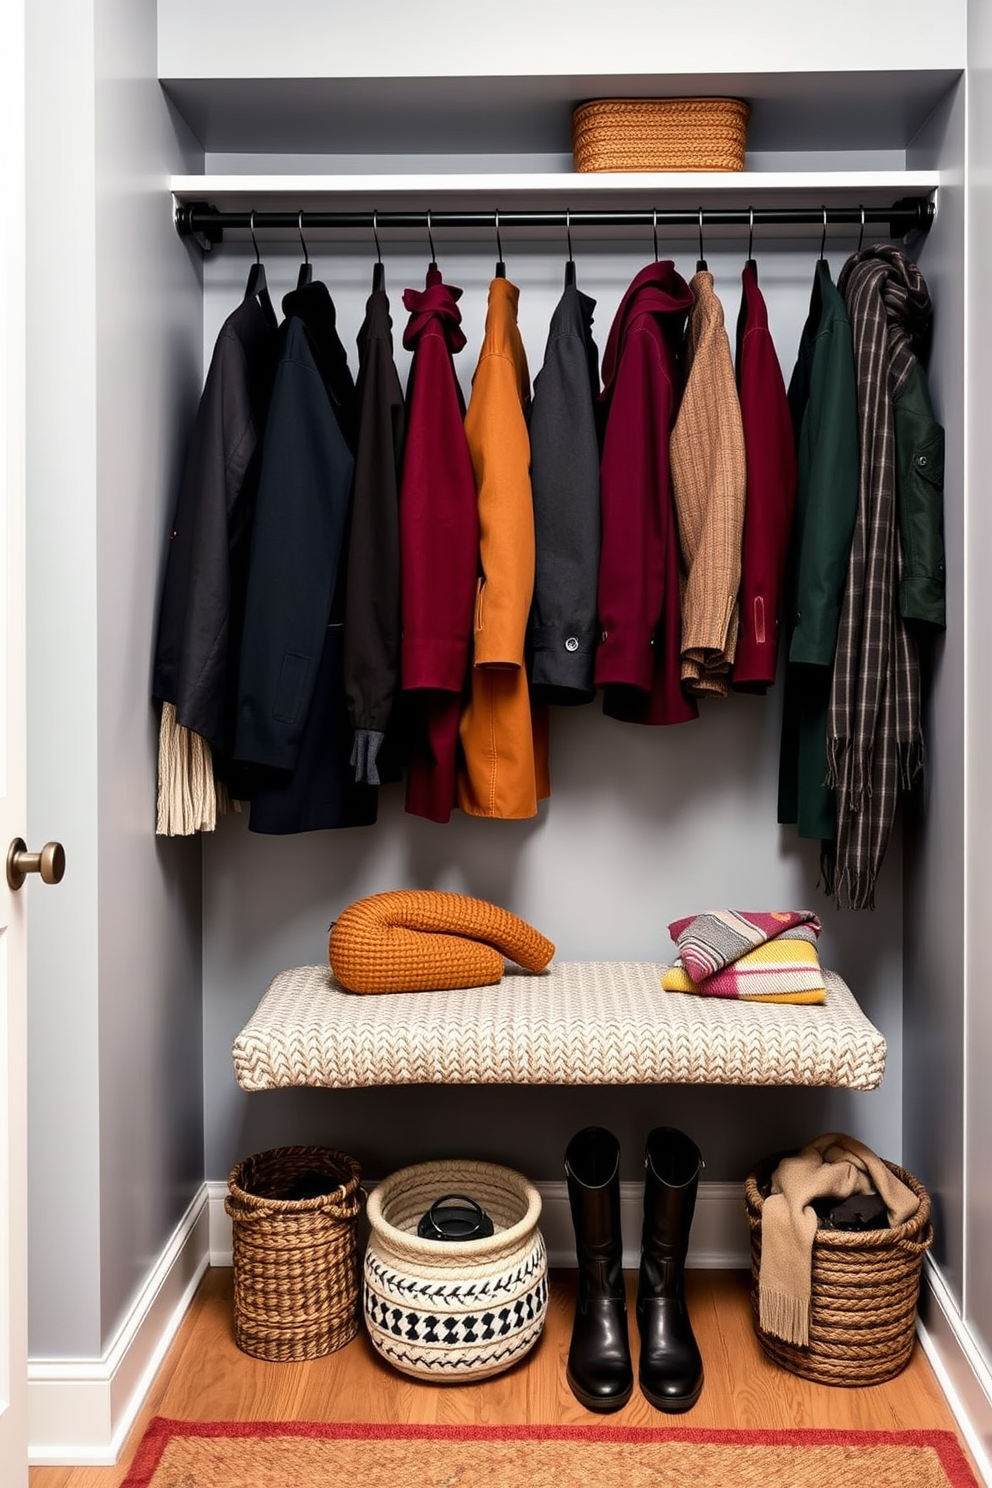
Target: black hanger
<point>500,265</point>
<point>569,262</point>
<point>305,275</point>
<point>654,215</point>
<point>750,237</point>
<point>256,279</point>
<point>823,240</point>
<point>861,234</point>
<point>378,268</point>
<point>701,265</point>
<point>430,239</point>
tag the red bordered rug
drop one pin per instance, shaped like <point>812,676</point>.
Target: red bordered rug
<point>272,1454</point>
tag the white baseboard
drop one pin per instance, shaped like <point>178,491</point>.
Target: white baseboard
<point>962,1372</point>
<point>719,1241</point>
<point>81,1410</point>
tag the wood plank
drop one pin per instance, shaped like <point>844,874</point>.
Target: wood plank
<point>206,1377</point>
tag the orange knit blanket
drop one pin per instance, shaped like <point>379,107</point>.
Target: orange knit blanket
<point>415,940</point>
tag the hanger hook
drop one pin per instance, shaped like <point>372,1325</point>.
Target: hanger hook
<point>654,216</point>
<point>499,245</point>
<point>823,240</point>
<point>430,239</point>
<point>306,256</point>
<point>375,234</point>
<point>702,255</point>
<point>750,233</point>
<point>254,240</point>
<point>568,231</point>
<point>861,234</point>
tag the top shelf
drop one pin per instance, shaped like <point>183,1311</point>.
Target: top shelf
<point>486,189</point>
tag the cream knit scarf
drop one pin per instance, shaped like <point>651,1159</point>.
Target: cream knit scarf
<point>834,1166</point>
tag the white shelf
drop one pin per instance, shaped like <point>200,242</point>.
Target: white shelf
<point>743,188</point>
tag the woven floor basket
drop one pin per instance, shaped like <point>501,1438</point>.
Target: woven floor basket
<point>660,134</point>
<point>454,1311</point>
<point>295,1259</point>
<point>865,1286</point>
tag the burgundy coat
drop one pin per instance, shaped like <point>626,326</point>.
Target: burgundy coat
<point>637,662</point>
<point>439,548</point>
<point>770,455</point>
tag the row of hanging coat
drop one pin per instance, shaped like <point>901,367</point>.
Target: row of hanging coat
<point>363,586</point>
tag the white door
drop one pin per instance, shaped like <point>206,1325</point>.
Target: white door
<point>13,796</point>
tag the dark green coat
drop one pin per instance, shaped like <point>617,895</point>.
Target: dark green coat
<point>823,401</point>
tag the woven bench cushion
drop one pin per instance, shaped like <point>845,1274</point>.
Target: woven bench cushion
<point>579,1023</point>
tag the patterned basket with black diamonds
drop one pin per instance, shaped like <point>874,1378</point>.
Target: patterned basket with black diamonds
<point>451,1311</point>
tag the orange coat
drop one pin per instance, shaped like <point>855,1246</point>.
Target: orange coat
<point>504,742</point>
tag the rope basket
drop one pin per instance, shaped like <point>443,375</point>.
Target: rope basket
<point>660,134</point>
<point>295,1258</point>
<point>454,1311</point>
<point>865,1287</point>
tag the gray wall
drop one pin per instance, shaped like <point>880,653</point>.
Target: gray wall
<point>978,680</point>
<point>643,824</point>
<point>114,965</point>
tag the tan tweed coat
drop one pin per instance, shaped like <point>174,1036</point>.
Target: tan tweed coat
<point>708,480</point>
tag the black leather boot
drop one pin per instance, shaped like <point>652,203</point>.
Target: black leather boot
<point>670,1373</point>
<point>600,1373</point>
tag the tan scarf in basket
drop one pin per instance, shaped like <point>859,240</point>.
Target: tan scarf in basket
<point>832,1166</point>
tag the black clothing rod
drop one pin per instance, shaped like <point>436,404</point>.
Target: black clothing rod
<point>207,222</point>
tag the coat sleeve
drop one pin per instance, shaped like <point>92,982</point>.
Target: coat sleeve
<point>191,655</point>
<point>497,435</point>
<point>372,600</point>
<point>565,482</point>
<point>300,518</point>
<point>920,499</point>
<point>635,494</point>
<point>830,455</point>
<point>439,528</point>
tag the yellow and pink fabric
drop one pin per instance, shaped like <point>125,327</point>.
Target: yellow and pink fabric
<point>756,956</point>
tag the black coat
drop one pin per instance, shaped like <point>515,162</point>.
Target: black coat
<point>292,726</point>
<point>564,444</point>
<point>372,599</point>
<point>196,654</point>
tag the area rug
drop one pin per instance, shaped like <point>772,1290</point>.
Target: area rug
<point>267,1454</point>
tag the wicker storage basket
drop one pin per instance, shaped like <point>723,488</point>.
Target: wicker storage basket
<point>660,134</point>
<point>295,1258</point>
<point>451,1311</point>
<point>865,1286</point>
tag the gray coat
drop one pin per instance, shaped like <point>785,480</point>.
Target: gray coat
<point>564,445</point>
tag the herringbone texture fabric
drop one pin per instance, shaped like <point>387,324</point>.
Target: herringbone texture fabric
<point>581,1023</point>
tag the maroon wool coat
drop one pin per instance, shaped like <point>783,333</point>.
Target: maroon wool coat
<point>637,661</point>
<point>770,454</point>
<point>439,547</point>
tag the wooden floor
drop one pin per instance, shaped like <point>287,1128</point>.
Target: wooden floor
<point>206,1377</point>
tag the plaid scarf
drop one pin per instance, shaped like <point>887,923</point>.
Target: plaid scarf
<point>874,738</point>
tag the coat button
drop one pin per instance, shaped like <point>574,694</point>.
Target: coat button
<point>921,460</point>
<point>798,616</point>
<point>572,643</point>
<point>603,637</point>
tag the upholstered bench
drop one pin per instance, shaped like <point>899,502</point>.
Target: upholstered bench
<point>578,1023</point>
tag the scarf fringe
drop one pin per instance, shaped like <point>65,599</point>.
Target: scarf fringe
<point>783,1315</point>
<point>855,888</point>
<point>190,799</point>
<point>912,759</point>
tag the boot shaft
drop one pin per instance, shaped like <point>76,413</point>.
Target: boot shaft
<point>592,1171</point>
<point>672,1164</point>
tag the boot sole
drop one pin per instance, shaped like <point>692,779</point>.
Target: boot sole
<point>596,1402</point>
<point>672,1404</point>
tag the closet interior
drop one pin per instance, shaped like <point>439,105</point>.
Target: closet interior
<point>367,179</point>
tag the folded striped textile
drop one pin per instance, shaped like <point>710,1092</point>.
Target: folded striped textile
<point>754,956</point>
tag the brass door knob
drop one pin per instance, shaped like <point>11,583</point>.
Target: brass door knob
<point>50,862</point>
